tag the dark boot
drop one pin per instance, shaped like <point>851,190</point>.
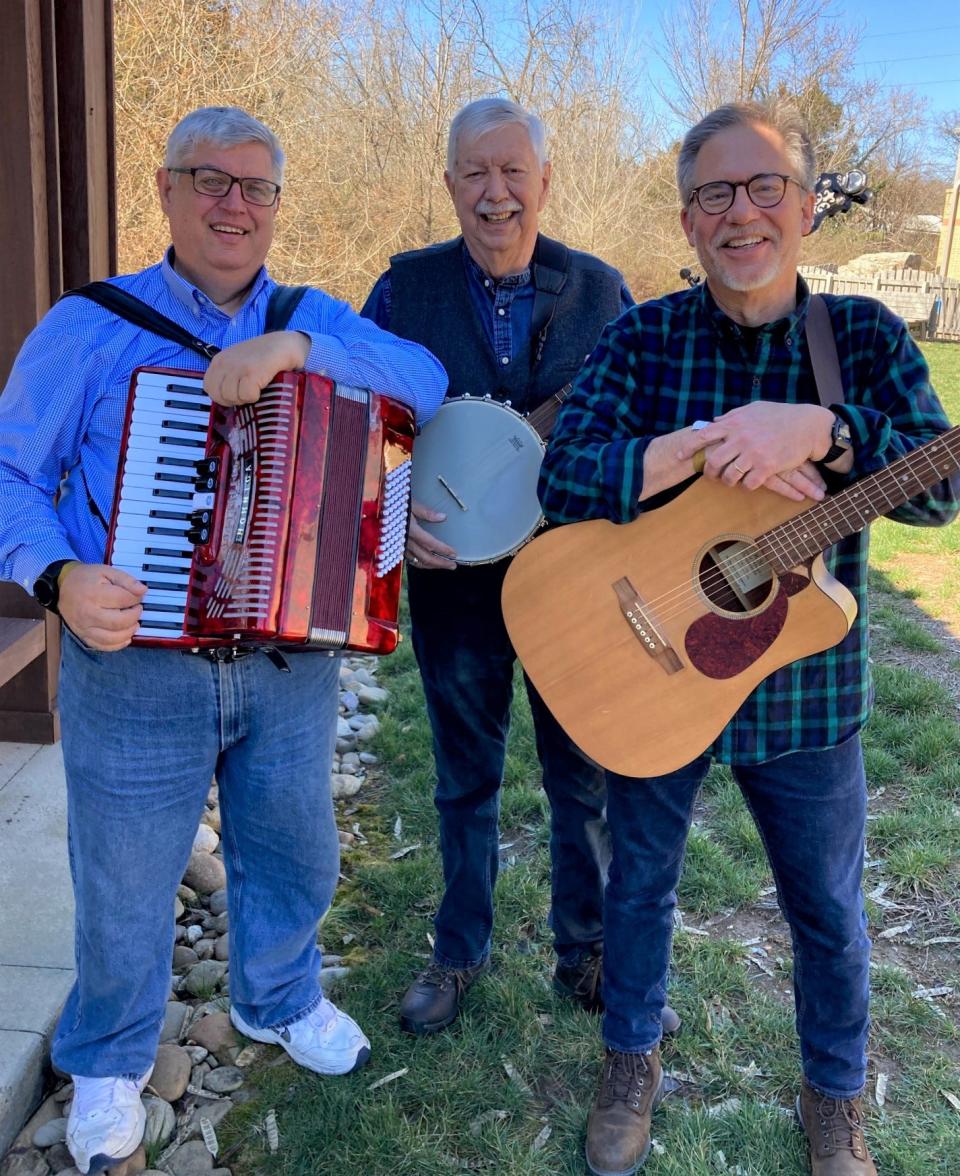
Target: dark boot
<point>618,1130</point>
<point>834,1130</point>
<point>432,1001</point>
<point>581,981</point>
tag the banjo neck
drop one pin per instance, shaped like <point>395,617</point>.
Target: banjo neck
<point>544,416</point>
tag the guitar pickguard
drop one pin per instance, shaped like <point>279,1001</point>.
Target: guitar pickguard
<point>721,647</point>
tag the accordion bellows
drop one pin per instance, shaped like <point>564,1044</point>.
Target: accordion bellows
<point>276,523</point>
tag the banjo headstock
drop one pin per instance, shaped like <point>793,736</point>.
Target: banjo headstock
<point>837,192</point>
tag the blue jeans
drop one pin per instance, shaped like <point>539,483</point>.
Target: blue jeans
<point>466,663</point>
<point>144,733</point>
<point>810,809</point>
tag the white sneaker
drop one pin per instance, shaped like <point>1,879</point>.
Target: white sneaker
<point>106,1120</point>
<point>326,1040</point>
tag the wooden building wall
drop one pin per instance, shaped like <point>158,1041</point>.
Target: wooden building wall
<point>57,230</point>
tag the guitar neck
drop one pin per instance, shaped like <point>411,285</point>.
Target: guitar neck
<point>544,416</point>
<point>814,530</point>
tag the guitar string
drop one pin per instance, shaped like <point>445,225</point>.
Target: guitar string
<point>747,562</point>
<point>793,551</point>
<point>823,517</point>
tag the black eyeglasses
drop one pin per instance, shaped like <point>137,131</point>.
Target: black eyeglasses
<point>765,190</point>
<point>208,181</point>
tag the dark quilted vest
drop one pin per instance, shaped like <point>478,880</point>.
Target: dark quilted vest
<point>431,304</point>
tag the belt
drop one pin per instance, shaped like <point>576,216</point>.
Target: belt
<point>223,653</point>
<point>237,653</point>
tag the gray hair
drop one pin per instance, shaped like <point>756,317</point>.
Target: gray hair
<point>781,116</point>
<point>486,114</point>
<point>221,126</point>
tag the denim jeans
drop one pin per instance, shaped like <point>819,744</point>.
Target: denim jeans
<point>144,732</point>
<point>810,809</point>
<point>466,663</point>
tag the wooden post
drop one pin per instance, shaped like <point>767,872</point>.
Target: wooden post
<point>58,230</point>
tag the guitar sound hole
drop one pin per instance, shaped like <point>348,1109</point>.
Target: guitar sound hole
<point>734,577</point>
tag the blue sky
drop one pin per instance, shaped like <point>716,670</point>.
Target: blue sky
<point>901,44</point>
<point>916,47</point>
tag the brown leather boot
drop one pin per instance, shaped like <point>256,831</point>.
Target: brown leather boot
<point>618,1130</point>
<point>834,1130</point>
<point>581,981</point>
<point>432,1002</point>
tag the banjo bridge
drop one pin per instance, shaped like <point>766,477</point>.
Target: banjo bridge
<point>643,627</point>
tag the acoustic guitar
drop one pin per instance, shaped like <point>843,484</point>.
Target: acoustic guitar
<point>645,638</point>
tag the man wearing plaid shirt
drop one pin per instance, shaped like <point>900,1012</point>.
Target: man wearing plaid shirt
<point>730,356</point>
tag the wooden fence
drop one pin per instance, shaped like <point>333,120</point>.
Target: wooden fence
<point>940,296</point>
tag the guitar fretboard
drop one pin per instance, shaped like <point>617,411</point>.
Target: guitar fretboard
<point>852,509</point>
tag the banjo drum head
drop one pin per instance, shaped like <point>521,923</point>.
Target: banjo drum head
<point>478,462</point>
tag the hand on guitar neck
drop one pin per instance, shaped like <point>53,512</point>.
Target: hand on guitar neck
<point>423,549</point>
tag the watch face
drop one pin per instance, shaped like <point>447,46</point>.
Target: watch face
<point>840,434</point>
<point>45,592</point>
<point>46,587</point>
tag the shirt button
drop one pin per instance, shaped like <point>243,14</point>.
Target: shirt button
<point>504,359</point>
<point>486,282</point>
<point>500,310</point>
<point>756,381</point>
<point>789,340</point>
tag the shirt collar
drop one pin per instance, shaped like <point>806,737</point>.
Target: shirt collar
<point>788,327</point>
<point>481,276</point>
<point>192,297</point>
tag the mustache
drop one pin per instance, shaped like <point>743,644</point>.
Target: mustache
<point>487,206</point>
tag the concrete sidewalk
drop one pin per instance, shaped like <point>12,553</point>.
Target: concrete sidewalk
<point>36,922</point>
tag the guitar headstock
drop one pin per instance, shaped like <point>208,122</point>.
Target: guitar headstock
<point>836,192</point>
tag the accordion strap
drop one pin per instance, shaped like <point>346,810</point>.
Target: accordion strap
<point>284,300</point>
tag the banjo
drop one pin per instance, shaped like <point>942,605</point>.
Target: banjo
<point>478,461</point>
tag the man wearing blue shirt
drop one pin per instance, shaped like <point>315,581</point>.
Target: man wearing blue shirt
<point>145,729</point>
<point>474,303</point>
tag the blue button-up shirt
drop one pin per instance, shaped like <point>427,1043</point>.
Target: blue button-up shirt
<point>62,411</point>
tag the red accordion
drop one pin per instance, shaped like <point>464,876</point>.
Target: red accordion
<point>276,523</point>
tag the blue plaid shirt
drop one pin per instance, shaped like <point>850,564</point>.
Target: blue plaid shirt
<point>665,364</point>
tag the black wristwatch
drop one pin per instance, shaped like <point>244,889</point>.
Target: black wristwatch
<point>46,587</point>
<point>840,441</point>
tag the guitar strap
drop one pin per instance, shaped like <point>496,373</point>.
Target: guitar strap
<point>823,353</point>
<point>283,302</point>
<point>551,264</point>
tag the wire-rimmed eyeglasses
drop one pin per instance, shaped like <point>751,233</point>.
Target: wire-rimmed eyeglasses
<point>766,190</point>
<point>209,181</point>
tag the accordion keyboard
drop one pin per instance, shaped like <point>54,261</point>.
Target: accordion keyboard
<point>165,499</point>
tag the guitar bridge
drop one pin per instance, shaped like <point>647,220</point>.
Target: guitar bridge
<point>643,627</point>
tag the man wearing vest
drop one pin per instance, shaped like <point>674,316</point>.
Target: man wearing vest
<point>512,315</point>
<point>145,729</point>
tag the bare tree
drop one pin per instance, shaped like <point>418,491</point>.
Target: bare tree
<point>362,93</point>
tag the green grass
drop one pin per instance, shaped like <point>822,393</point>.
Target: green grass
<point>508,1089</point>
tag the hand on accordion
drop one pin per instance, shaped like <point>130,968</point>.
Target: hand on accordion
<point>238,374</point>
<point>101,605</point>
